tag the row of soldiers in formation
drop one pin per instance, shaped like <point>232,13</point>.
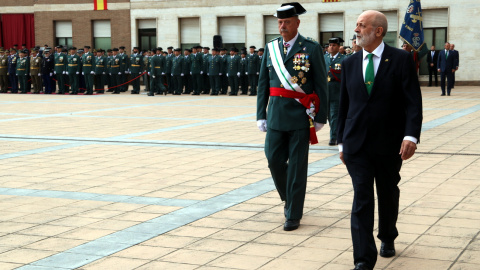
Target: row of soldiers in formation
<point>81,71</point>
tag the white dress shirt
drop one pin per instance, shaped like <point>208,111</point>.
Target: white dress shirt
<point>291,42</point>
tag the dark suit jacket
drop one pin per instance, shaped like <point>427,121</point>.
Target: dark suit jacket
<point>392,111</point>
<point>457,58</point>
<point>433,60</point>
<point>445,63</point>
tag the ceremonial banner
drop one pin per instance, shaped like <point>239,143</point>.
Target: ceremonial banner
<point>412,27</point>
<point>326,1</point>
<point>99,4</point>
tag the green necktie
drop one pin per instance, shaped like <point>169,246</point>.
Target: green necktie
<point>446,55</point>
<point>369,74</point>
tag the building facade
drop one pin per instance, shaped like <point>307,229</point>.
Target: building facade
<point>184,23</point>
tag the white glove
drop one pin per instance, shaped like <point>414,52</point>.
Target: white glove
<point>181,74</point>
<point>66,72</point>
<point>140,72</point>
<point>29,74</point>
<point>246,73</point>
<point>258,73</point>
<point>153,77</point>
<point>77,72</point>
<point>103,73</point>
<point>220,74</point>
<point>227,74</point>
<point>191,73</point>
<point>238,74</point>
<point>163,73</point>
<point>318,126</point>
<point>110,74</point>
<point>8,73</point>
<point>172,75</point>
<point>51,74</point>
<point>119,73</point>
<point>83,73</point>
<point>262,125</point>
<point>127,72</point>
<point>208,74</point>
<point>39,74</point>
<point>92,72</point>
<point>201,72</point>
<point>148,73</point>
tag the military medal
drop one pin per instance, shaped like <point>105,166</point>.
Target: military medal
<point>328,78</point>
<point>284,50</point>
<point>304,80</point>
<point>294,79</point>
<point>301,74</point>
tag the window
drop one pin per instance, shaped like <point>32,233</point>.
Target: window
<point>331,25</point>
<point>435,23</point>
<point>232,30</point>
<point>271,28</point>
<point>102,34</point>
<point>63,33</point>
<point>391,38</point>
<point>147,34</point>
<point>189,32</point>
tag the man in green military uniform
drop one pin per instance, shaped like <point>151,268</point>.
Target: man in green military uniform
<point>35,72</point>
<point>168,69</point>
<point>243,80</point>
<point>136,69</point>
<point>214,72</point>
<point>108,71</point>
<point>146,69</point>
<point>157,70</point>
<point>177,71</point>
<point>252,70</point>
<point>73,69</point>
<point>60,61</point>
<point>115,71</point>
<point>196,70</point>
<point>292,79</point>
<point>233,71</point>
<point>223,76</point>
<point>187,66</point>
<point>333,64</point>
<point>3,72</point>
<point>124,68</point>
<point>23,67</point>
<point>88,63</point>
<point>206,79</point>
<point>100,67</point>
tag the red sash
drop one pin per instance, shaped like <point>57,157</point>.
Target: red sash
<point>333,72</point>
<point>305,100</point>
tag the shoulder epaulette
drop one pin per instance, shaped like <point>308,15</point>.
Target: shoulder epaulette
<point>311,40</point>
<point>274,39</point>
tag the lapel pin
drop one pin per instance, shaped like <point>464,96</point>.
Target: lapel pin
<point>386,60</point>
<point>304,48</point>
<point>299,43</point>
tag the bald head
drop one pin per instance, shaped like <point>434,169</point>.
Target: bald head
<point>371,27</point>
<point>377,19</point>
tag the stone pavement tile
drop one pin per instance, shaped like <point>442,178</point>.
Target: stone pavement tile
<point>85,233</point>
<point>46,230</point>
<point>459,222</point>
<point>238,261</point>
<point>12,227</point>
<point>341,233</point>
<point>214,245</point>
<point>281,239</point>
<point>464,266</point>
<point>74,220</point>
<point>19,240</point>
<point>188,256</point>
<point>144,252</point>
<point>442,241</point>
<point>192,231</point>
<point>38,218</point>
<point>220,223</point>
<point>170,241</point>
<point>56,244</point>
<point>311,254</point>
<point>263,250</point>
<point>452,232</point>
<point>463,214</point>
<point>433,253</point>
<point>115,263</point>
<point>100,214</point>
<point>470,256</point>
<point>24,255</point>
<point>235,215</point>
<point>111,224</point>
<point>155,265</point>
<point>157,209</point>
<point>412,228</point>
<point>327,243</point>
<point>256,226</point>
<point>135,216</point>
<point>236,235</point>
<point>402,263</point>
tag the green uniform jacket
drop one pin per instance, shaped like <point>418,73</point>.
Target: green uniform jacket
<point>252,64</point>
<point>146,62</point>
<point>23,66</point>
<point>242,65</point>
<point>215,65</point>
<point>287,114</point>
<point>73,64</point>
<point>187,65</point>
<point>88,63</point>
<point>35,65</point>
<point>115,64</point>
<point>124,62</point>
<point>168,63</point>
<point>60,63</point>
<point>157,65</point>
<point>3,65</point>
<point>177,65</point>
<point>197,63</point>
<point>333,84</point>
<point>136,63</point>
<point>233,65</point>
<point>206,59</point>
<point>100,65</point>
<point>224,64</point>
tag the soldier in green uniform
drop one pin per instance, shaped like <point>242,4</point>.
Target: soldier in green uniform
<point>177,71</point>
<point>99,68</point>
<point>136,69</point>
<point>214,72</point>
<point>23,67</point>
<point>157,70</point>
<point>60,60</point>
<point>223,76</point>
<point>88,63</point>
<point>35,72</point>
<point>206,79</point>
<point>146,69</point>
<point>73,70</point>
<point>168,69</point>
<point>233,71</point>
<point>115,71</point>
<point>292,68</point>
<point>124,68</point>
<point>187,73</point>
<point>243,80</point>
<point>333,64</point>
<point>196,70</point>
<point>108,71</point>
<point>252,70</point>
<point>3,72</point>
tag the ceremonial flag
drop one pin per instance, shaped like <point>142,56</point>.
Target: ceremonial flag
<point>326,1</point>
<point>99,4</point>
<point>412,27</point>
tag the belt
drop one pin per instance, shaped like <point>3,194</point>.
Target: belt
<point>99,66</point>
<point>34,68</point>
<point>20,69</point>
<point>305,100</point>
<point>158,67</point>
<point>87,65</point>
<point>135,65</point>
<point>59,64</point>
<point>72,65</point>
<point>114,66</point>
<point>3,67</point>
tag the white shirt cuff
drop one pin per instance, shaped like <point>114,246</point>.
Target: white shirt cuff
<point>411,138</point>
<point>340,147</point>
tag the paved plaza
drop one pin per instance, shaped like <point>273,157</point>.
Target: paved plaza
<point>181,182</point>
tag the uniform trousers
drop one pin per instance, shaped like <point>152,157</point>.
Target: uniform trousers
<point>206,83</point>
<point>37,83</point>
<point>448,75</point>
<point>216,84</point>
<point>156,85</point>
<point>170,82</point>
<point>73,82</point>
<point>88,83</point>
<point>233,82</point>
<point>244,84</point>
<point>287,156</point>
<point>333,104</point>
<point>252,79</point>
<point>187,81</point>
<point>224,81</point>
<point>100,83</point>
<point>136,83</point>
<point>197,83</point>
<point>48,83</point>
<point>61,83</point>
<point>366,167</point>
<point>22,79</point>
<point>4,83</point>
<point>177,84</point>
<point>13,82</point>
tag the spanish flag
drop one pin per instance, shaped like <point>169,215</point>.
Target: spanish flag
<point>327,1</point>
<point>99,4</point>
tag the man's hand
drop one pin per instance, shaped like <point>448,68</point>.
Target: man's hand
<point>453,70</point>
<point>341,157</point>
<point>439,70</point>
<point>408,149</point>
<point>318,126</point>
<point>262,125</point>
<point>431,64</point>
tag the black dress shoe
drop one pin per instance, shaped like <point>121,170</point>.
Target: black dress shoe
<point>448,94</point>
<point>442,95</point>
<point>332,142</point>
<point>291,224</point>
<point>150,95</point>
<point>361,266</point>
<point>387,250</point>
<point>253,94</point>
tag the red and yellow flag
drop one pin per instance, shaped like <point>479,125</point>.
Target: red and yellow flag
<point>99,4</point>
<point>326,1</point>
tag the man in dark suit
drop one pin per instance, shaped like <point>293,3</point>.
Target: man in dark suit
<point>457,62</point>
<point>380,119</point>
<point>432,58</point>
<point>446,67</point>
<point>292,77</point>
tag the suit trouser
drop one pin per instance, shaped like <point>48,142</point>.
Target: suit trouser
<point>100,83</point>
<point>135,83</point>
<point>67,83</point>
<point>253,83</point>
<point>37,83</point>
<point>22,79</point>
<point>13,82</point>
<point>215,83</point>
<point>224,81</point>
<point>244,83</point>
<point>287,156</point>
<point>432,71</point>
<point>453,79</point>
<point>61,83</point>
<point>365,167</point>
<point>197,83</point>
<point>89,83</point>
<point>449,76</point>
<point>156,85</point>
<point>4,83</point>
<point>73,79</point>
<point>170,82</point>
<point>178,84</point>
<point>233,82</point>
<point>48,83</point>
<point>187,80</point>
<point>206,83</point>
<point>121,80</point>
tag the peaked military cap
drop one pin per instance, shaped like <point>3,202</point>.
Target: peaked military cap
<point>159,49</point>
<point>122,47</point>
<point>170,47</point>
<point>87,47</point>
<point>336,40</point>
<point>13,49</point>
<point>64,50</point>
<point>136,48</point>
<point>253,47</point>
<point>109,50</point>
<point>177,50</point>
<point>215,49</point>
<point>24,45</point>
<point>115,49</point>
<point>261,50</point>
<point>288,10</point>
<point>206,48</point>
<point>15,45</point>
<point>59,46</point>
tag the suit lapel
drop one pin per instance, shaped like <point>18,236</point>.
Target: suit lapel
<point>383,67</point>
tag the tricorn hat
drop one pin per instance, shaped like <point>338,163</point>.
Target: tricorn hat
<point>288,10</point>
<point>336,40</point>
